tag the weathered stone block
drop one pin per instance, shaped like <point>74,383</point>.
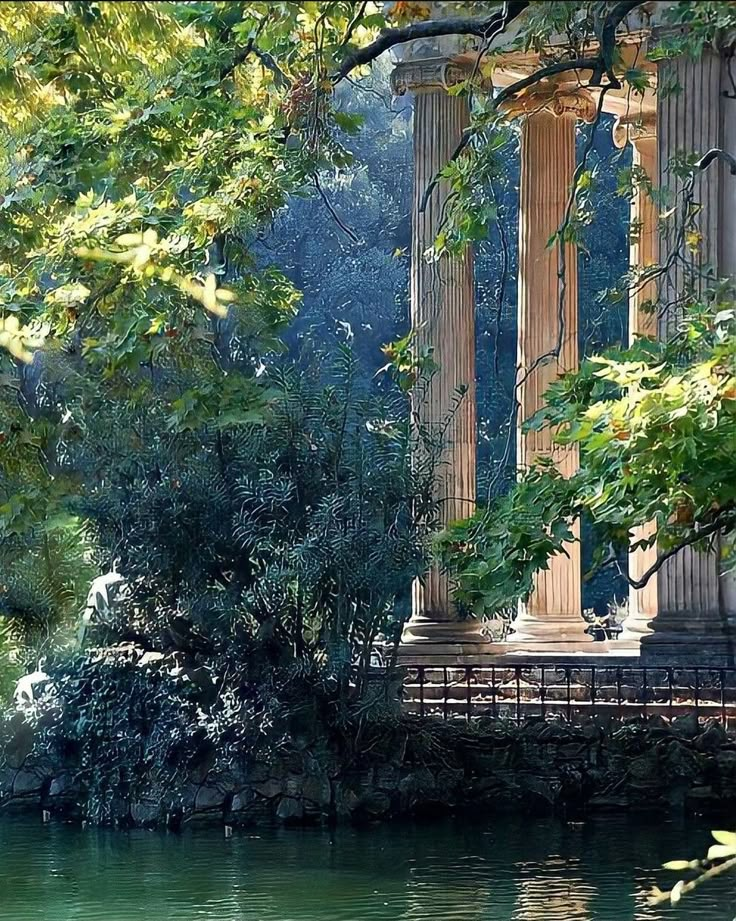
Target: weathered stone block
<point>270,788</point>
<point>376,804</point>
<point>209,798</point>
<point>317,790</point>
<point>712,738</point>
<point>686,726</point>
<point>26,783</point>
<point>145,813</point>
<point>289,809</point>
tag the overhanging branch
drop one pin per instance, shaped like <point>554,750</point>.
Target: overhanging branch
<point>722,522</point>
<point>598,65</point>
<point>432,28</point>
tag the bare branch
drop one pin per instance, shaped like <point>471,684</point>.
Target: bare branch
<point>608,40</point>
<point>333,213</point>
<point>715,153</point>
<point>432,28</point>
<point>558,67</point>
<point>598,65</point>
<point>725,520</point>
<point>719,524</point>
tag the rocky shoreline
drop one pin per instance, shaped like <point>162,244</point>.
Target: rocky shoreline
<point>412,767</point>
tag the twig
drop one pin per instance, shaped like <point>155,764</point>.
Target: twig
<point>331,208</point>
<point>598,65</point>
<point>657,897</point>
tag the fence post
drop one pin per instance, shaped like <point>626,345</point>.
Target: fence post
<point>543,693</point>
<point>468,695</point>
<point>644,691</point>
<point>592,690</point>
<point>494,705</point>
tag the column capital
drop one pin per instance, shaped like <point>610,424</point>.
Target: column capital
<point>557,98</point>
<point>639,128</point>
<point>427,75</point>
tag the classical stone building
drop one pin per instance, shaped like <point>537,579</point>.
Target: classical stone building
<point>683,611</point>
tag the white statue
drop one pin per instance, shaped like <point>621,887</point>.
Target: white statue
<point>104,594</point>
<point>28,687</point>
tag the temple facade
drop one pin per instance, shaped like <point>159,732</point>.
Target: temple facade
<point>682,614</point>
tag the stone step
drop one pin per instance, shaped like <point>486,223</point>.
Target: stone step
<point>507,708</point>
<point>559,694</point>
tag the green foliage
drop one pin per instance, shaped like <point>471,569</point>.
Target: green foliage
<point>10,660</point>
<point>45,576</point>
<point>654,426</point>
<point>407,365</point>
<point>144,146</point>
<point>305,529</point>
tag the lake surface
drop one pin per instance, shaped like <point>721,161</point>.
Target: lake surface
<point>500,870</point>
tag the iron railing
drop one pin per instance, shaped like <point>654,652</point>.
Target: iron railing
<point>571,691</point>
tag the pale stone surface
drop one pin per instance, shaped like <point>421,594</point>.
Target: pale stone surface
<point>644,252</point>
<point>547,347</point>
<point>690,622</point>
<point>443,317</point>
<point>727,259</point>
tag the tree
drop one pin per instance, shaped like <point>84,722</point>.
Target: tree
<point>655,425</point>
<point>147,145</point>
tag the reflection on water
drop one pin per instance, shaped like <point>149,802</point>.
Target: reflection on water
<point>499,870</point>
<point>554,890</point>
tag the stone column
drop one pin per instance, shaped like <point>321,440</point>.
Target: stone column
<point>690,625</point>
<point>443,319</point>
<point>640,130</point>
<point>551,620</point>
<point>727,260</point>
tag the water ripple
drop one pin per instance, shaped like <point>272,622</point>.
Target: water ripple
<point>503,870</point>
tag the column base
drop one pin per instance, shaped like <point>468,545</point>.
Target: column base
<point>684,638</point>
<point>635,628</point>
<point>551,635</point>
<point>442,641</point>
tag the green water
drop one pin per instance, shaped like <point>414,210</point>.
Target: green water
<point>500,870</point>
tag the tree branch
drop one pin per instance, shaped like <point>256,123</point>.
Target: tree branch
<point>432,28</point>
<point>608,39</point>
<point>715,153</point>
<point>721,522</point>
<point>558,67</point>
<point>333,213</point>
<point>598,65</point>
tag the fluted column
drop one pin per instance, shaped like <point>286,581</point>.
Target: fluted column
<point>640,130</point>
<point>443,319</point>
<point>727,264</point>
<point>690,623</point>
<point>551,620</point>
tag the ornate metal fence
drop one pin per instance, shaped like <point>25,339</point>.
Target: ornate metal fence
<point>571,691</point>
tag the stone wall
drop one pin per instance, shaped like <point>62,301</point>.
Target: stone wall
<point>410,767</point>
